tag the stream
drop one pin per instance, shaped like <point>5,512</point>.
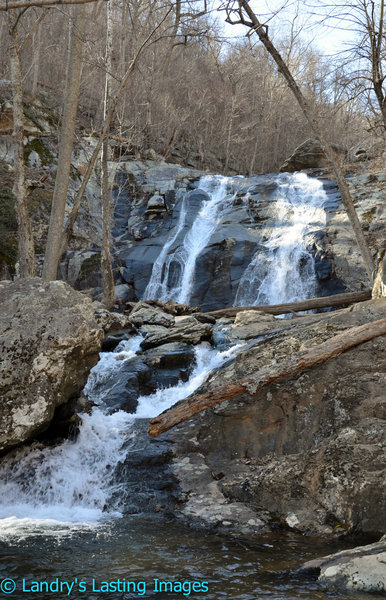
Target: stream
<point>75,517</point>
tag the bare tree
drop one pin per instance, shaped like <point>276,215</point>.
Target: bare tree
<point>363,60</point>
<point>240,12</point>
<point>26,254</point>
<point>106,267</point>
<point>66,143</point>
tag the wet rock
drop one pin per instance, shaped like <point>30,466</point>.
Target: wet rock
<point>362,569</point>
<point>189,331</point>
<point>128,384</point>
<point>147,482</point>
<point>49,340</point>
<point>170,355</point>
<point>310,155</point>
<point>110,342</point>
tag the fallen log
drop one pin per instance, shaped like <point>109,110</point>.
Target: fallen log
<point>297,362</point>
<point>293,307</point>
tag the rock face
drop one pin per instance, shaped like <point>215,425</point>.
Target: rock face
<point>362,569</point>
<point>248,221</point>
<point>310,155</point>
<point>49,342</point>
<point>368,193</point>
<point>310,450</point>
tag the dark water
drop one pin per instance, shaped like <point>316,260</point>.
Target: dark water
<point>140,549</point>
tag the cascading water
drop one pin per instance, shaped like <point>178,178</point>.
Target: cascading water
<point>179,286</point>
<point>74,482</point>
<point>283,270</point>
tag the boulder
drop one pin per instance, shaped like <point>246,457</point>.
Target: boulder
<point>170,356</point>
<point>310,450</point>
<point>112,321</point>
<point>310,155</point>
<point>252,323</point>
<point>49,341</point>
<point>144,314</point>
<point>120,390</point>
<point>362,569</point>
<point>188,331</point>
<point>367,150</point>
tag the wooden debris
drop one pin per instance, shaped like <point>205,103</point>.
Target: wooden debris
<point>290,366</point>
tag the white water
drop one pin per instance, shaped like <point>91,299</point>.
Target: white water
<point>48,488</point>
<point>158,282</point>
<point>185,257</point>
<point>284,271</point>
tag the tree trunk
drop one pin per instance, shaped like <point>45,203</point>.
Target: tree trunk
<point>274,372</point>
<point>294,307</point>
<point>261,31</point>
<point>26,254</point>
<point>36,58</point>
<point>52,255</point>
<point>106,267</point>
<point>67,232</point>
<point>379,288</point>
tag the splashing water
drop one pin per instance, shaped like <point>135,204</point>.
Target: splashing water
<point>284,270</point>
<point>72,483</point>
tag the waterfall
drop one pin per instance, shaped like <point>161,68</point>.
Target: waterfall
<point>72,483</point>
<point>158,282</point>
<point>283,269</point>
<point>172,275</point>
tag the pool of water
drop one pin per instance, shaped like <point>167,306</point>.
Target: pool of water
<point>106,560</point>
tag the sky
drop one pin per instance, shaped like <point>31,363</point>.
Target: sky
<point>329,40</point>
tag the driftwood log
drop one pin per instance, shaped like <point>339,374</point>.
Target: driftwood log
<point>270,374</point>
<point>293,307</point>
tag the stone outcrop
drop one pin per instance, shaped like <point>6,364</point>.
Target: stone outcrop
<point>49,342</point>
<point>309,450</point>
<point>242,232</point>
<point>188,330</point>
<point>310,155</point>
<point>144,314</point>
<point>368,192</point>
<point>362,569</point>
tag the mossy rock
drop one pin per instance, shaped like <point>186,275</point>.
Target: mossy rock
<point>369,215</point>
<point>37,145</point>
<point>90,265</point>
<point>8,221</point>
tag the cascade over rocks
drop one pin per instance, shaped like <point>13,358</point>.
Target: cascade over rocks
<point>49,340</point>
<point>246,218</point>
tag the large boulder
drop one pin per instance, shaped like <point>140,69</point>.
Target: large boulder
<point>309,450</point>
<point>362,569</point>
<point>310,155</point>
<point>49,340</point>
